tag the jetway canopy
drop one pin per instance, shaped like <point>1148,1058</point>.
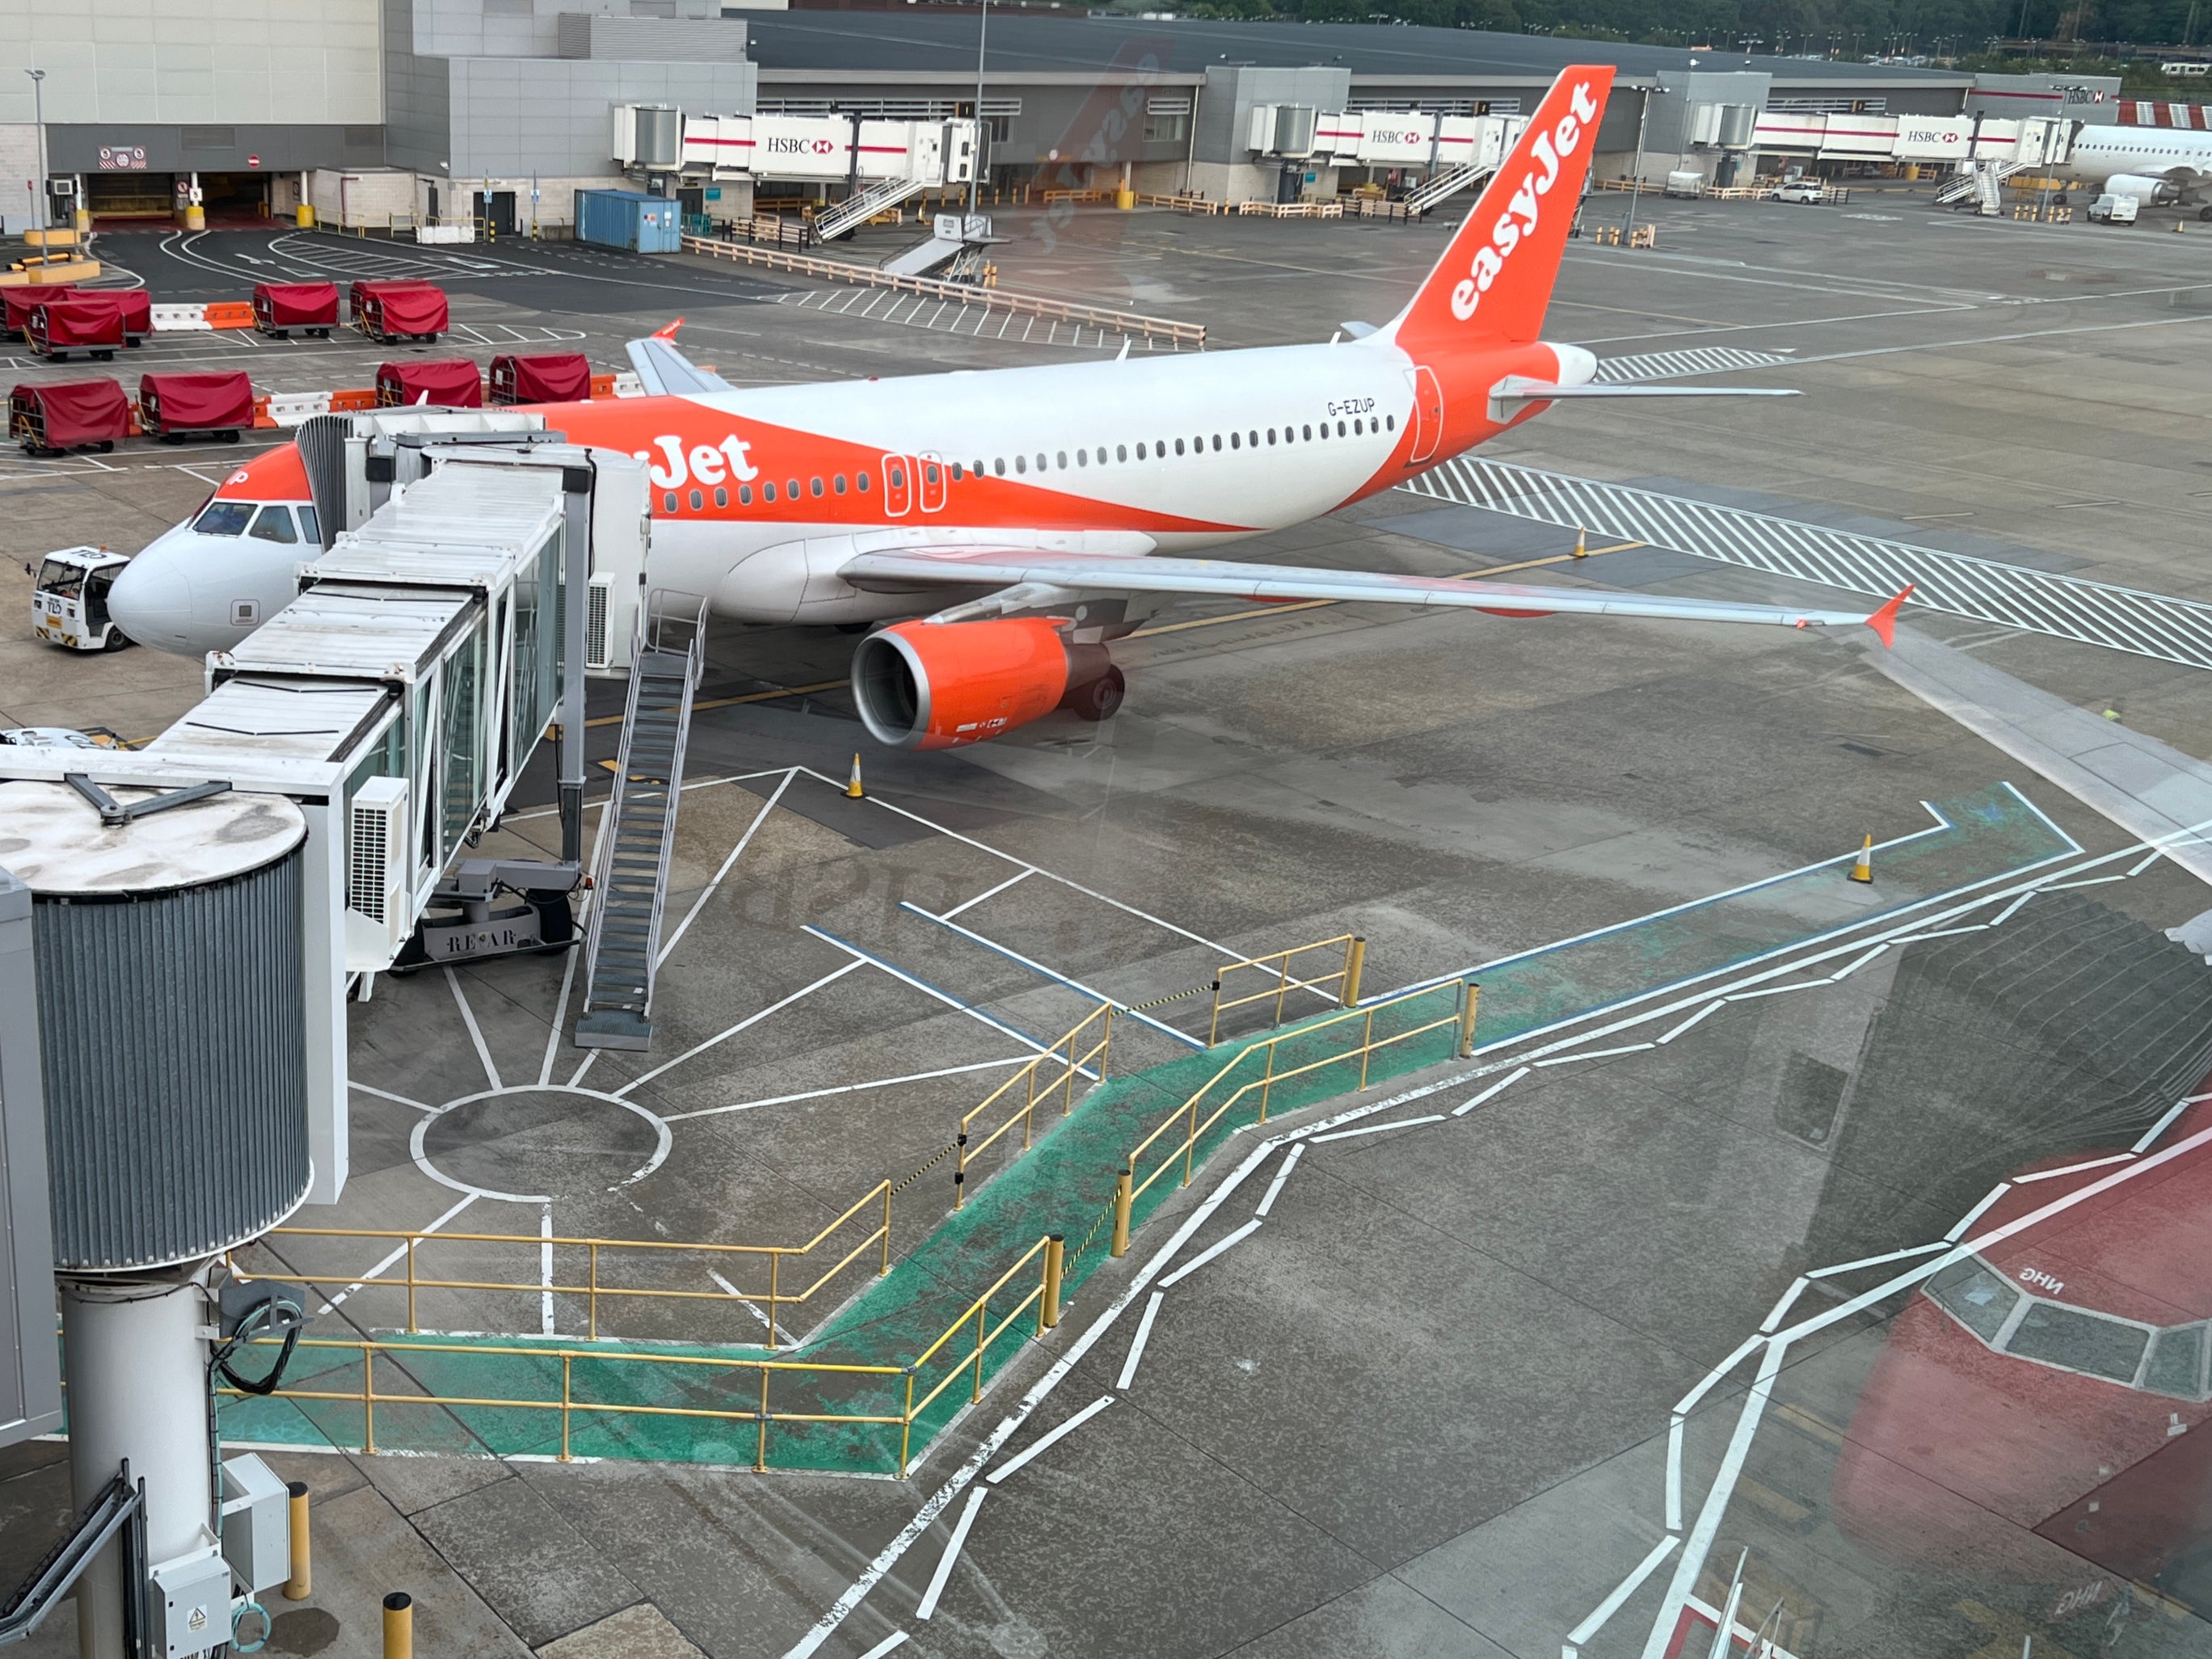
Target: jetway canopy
<point>2035,141</point>
<point>1382,137</point>
<point>828,149</point>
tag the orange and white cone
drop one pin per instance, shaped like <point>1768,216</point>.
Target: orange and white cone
<point>1863,870</point>
<point>853,785</point>
<point>1581,545</point>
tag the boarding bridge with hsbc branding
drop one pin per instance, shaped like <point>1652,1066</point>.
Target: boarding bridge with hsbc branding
<point>1844,137</point>
<point>885,162</point>
<point>1454,151</point>
<point>398,700</point>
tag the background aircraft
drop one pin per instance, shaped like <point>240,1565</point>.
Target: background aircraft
<point>2152,164</point>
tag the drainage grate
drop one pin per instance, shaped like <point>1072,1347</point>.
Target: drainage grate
<point>2065,607</point>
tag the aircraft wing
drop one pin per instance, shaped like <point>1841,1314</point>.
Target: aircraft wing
<point>1075,573</point>
<point>666,372</point>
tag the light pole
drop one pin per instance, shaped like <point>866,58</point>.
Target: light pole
<point>1636,174</point>
<point>38,115</point>
<point>975,173</point>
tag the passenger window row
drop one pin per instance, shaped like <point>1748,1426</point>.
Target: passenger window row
<point>1157,450</point>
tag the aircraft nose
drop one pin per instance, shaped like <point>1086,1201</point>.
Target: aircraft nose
<point>152,601</point>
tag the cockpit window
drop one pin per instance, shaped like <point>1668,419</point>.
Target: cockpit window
<point>310,529</point>
<point>274,523</point>
<point>224,519</point>
<point>2060,1335</point>
<point>1974,1296</point>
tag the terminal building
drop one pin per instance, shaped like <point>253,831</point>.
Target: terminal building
<point>390,113</point>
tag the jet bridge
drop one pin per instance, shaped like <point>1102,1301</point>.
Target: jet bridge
<point>398,700</point>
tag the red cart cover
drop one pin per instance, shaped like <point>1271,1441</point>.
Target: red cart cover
<point>402,307</point>
<point>138,307</point>
<point>72,412</point>
<point>81,320</point>
<point>552,377</point>
<point>19,301</point>
<point>297,305</point>
<point>359,293</point>
<point>443,382</point>
<point>196,403</point>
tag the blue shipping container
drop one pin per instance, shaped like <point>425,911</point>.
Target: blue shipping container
<point>629,219</point>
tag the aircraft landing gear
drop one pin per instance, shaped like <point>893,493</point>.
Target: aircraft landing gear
<point>2204,213</point>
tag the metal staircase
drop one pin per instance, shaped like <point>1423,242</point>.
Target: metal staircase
<point>1446,183</point>
<point>1979,181</point>
<point>630,868</point>
<point>864,205</point>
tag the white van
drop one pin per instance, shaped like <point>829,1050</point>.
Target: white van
<point>2115,209</point>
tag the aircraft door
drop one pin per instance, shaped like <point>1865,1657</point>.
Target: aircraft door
<point>898,487</point>
<point>931,466</point>
<point>1428,413</point>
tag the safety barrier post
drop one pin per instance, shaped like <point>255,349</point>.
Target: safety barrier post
<point>976,1388</point>
<point>885,1272</point>
<point>1123,1187</point>
<point>1190,1140</point>
<point>1214,1026</point>
<point>1355,961</point>
<point>301,1583</point>
<point>593,1300</point>
<point>1048,1304</point>
<point>760,1450</point>
<point>959,1168</point>
<point>1028,1112</point>
<point>368,1398</point>
<point>774,1262</point>
<point>564,1407</point>
<point>399,1625</point>
<point>906,1424</point>
<point>410,1284</point>
<point>1470,995</point>
<point>1366,1046</point>
<point>1106,1043</point>
<point>1267,1081</point>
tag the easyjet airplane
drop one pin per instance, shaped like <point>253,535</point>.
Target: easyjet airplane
<point>1036,513</point>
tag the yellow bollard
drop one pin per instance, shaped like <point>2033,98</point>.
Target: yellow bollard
<point>399,1625</point>
<point>195,218</point>
<point>1582,544</point>
<point>853,790</point>
<point>1355,960</point>
<point>1863,870</point>
<point>1048,1304</point>
<point>1122,1186</point>
<point>306,216</point>
<point>301,1583</point>
<point>1470,995</point>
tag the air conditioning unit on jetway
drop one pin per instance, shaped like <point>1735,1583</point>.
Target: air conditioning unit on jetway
<point>378,915</point>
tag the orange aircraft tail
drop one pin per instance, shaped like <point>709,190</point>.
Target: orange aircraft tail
<point>1494,283</point>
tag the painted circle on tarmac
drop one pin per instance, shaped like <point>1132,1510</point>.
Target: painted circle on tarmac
<point>533,1143</point>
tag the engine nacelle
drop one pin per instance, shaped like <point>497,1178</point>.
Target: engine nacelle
<point>938,685</point>
<point>2143,187</point>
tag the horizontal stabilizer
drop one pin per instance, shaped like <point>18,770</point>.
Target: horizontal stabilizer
<point>1521,388</point>
<point>665,372</point>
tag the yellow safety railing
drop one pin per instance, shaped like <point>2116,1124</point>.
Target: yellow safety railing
<point>603,1252</point>
<point>1044,1296</point>
<point>1345,980</point>
<point>368,1398</point>
<point>1459,1012</point>
<point>1070,1055</point>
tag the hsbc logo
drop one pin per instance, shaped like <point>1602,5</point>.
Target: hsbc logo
<point>1525,207</point>
<point>801,146</point>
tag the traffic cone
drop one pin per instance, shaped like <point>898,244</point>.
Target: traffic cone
<point>1582,546</point>
<point>853,790</point>
<point>1863,870</point>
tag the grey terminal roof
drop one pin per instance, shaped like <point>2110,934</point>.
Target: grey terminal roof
<point>925,41</point>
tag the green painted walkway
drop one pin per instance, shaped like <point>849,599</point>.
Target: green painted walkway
<point>1065,1184</point>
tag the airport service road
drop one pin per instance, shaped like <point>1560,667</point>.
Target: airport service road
<point>1425,1405</point>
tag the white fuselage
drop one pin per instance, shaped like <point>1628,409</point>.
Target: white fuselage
<point>2174,153</point>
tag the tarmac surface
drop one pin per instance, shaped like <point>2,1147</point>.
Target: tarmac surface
<point>1469,1378</point>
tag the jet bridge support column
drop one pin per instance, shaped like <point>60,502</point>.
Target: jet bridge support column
<point>576,588</point>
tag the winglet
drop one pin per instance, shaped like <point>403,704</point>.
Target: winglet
<point>668,332</point>
<point>1884,621</point>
